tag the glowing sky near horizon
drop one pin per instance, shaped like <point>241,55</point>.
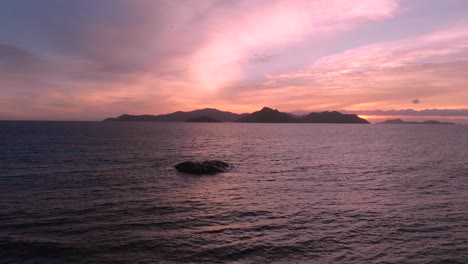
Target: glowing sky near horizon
<point>91,59</point>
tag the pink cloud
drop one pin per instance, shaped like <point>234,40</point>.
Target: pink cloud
<point>164,56</point>
<point>385,75</point>
<point>256,27</point>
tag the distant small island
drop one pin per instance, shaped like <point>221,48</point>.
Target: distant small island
<point>202,119</point>
<point>427,122</point>
<point>265,115</point>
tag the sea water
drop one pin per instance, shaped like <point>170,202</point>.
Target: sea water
<point>107,192</point>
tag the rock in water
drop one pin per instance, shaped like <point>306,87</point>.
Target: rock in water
<point>205,167</point>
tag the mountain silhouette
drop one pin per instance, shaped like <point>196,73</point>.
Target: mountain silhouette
<point>333,117</point>
<point>268,115</point>
<point>180,116</point>
<point>202,119</point>
<point>265,115</point>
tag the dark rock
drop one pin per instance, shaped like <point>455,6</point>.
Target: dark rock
<point>205,167</point>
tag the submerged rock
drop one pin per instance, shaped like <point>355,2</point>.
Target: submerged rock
<point>205,167</point>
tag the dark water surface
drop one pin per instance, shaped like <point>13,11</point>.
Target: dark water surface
<point>105,192</point>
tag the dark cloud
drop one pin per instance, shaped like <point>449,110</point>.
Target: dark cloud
<point>112,37</point>
<point>24,73</point>
<point>104,42</point>
<point>18,59</point>
<point>260,58</point>
<point>416,101</point>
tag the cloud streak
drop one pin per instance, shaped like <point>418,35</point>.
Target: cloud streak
<point>431,67</point>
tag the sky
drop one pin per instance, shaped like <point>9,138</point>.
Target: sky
<point>92,59</point>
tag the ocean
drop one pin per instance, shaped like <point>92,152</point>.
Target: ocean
<point>107,192</point>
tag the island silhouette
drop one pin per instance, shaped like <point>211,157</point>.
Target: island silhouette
<point>202,119</point>
<point>265,115</point>
<point>268,115</point>
<point>427,122</point>
<point>180,116</point>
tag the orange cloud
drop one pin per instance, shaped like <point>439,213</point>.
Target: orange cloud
<point>258,27</point>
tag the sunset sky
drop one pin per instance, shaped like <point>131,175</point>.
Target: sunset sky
<point>91,59</point>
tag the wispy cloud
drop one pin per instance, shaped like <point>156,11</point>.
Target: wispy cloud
<point>176,54</point>
<point>255,27</point>
<point>73,60</point>
<point>431,67</point>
